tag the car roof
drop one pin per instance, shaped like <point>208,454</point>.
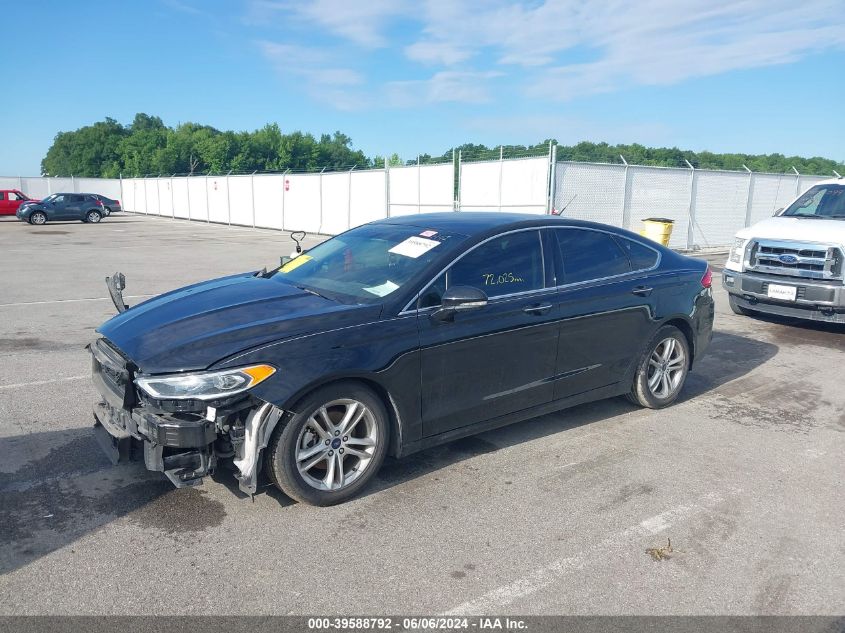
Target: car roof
<point>471,223</point>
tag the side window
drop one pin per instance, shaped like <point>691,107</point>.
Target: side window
<point>640,256</point>
<point>590,255</point>
<point>3,196</point>
<point>504,265</point>
<point>14,196</point>
<point>59,199</point>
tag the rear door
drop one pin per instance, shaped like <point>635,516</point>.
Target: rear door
<point>498,359</point>
<point>606,303</point>
<point>73,207</point>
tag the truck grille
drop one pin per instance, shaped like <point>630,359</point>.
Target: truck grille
<point>794,259</point>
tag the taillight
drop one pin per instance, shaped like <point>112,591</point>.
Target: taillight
<point>707,280</point>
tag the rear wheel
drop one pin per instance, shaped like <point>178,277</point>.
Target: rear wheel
<point>93,217</point>
<point>736,308</point>
<point>107,211</point>
<point>662,370</point>
<point>38,217</point>
<point>331,449</point>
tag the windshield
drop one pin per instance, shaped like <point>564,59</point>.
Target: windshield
<point>50,198</point>
<point>368,263</point>
<point>821,201</point>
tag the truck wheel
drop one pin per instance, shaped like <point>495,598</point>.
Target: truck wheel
<point>93,217</point>
<point>331,449</point>
<point>736,308</point>
<point>662,370</point>
<point>38,217</point>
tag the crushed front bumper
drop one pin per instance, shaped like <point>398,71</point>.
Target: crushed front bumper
<point>814,300</point>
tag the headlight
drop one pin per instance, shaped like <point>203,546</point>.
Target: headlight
<point>207,385</point>
<point>738,251</point>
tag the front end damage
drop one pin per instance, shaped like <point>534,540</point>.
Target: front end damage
<point>186,439</point>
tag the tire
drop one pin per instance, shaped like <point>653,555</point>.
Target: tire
<point>315,478</point>
<point>107,211</point>
<point>660,376</point>
<point>736,308</point>
<point>93,216</point>
<point>38,218</point>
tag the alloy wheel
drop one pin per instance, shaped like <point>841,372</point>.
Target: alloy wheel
<point>336,444</point>
<point>93,217</point>
<point>666,368</point>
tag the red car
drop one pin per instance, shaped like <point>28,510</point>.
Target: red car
<point>11,199</point>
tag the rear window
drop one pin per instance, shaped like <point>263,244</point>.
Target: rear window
<point>641,256</point>
<point>589,255</point>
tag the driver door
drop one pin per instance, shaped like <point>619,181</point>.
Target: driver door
<point>494,360</point>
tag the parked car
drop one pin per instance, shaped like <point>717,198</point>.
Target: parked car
<point>109,205</point>
<point>11,199</point>
<point>390,338</point>
<point>62,206</point>
<point>793,264</point>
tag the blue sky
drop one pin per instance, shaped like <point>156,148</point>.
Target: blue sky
<point>416,76</point>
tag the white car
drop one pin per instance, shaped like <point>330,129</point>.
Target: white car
<point>793,264</point>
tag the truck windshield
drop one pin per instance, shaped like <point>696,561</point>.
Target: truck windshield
<point>821,201</point>
<point>367,263</point>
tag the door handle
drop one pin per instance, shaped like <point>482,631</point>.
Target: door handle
<point>642,291</point>
<point>537,310</point>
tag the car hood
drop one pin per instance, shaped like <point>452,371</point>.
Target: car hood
<point>797,229</point>
<point>194,327</point>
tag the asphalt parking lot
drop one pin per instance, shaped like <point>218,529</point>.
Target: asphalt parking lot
<point>550,516</point>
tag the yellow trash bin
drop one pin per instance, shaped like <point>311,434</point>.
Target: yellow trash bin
<point>658,229</point>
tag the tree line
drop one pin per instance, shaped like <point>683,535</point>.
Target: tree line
<point>147,146</point>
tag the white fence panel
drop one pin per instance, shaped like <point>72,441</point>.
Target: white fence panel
<point>335,201</point>
<point>269,201</point>
<point>590,192</point>
<point>480,186</point>
<point>805,182</point>
<point>11,183</point>
<point>218,199</point>
<point>303,203</point>
<point>127,195</point>
<point>437,187</point>
<point>771,191</point>
<point>663,193</point>
<point>181,204</point>
<point>108,187</point>
<point>37,188</point>
<point>198,198</point>
<point>140,196</point>
<point>525,185</point>
<point>367,201</point>
<point>240,197</point>
<point>721,200</point>
<point>405,190</point>
<point>165,197</point>
<point>153,196</point>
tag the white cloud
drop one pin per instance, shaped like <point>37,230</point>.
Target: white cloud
<point>444,86</point>
<point>432,52</point>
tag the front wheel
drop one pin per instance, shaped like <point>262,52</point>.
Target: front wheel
<point>38,217</point>
<point>662,370</point>
<point>93,217</point>
<point>330,450</point>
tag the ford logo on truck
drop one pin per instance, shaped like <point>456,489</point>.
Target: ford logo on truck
<point>788,259</point>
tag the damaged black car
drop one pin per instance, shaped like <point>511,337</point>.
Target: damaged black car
<point>393,337</point>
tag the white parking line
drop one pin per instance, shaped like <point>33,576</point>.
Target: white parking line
<point>37,303</point>
<point>43,382</point>
<point>494,600</point>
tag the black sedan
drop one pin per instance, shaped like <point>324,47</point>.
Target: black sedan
<point>110,205</point>
<point>62,206</point>
<point>393,337</point>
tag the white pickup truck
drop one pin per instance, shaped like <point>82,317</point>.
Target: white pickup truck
<point>793,264</point>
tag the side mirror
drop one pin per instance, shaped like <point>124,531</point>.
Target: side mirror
<point>459,299</point>
<point>778,212</point>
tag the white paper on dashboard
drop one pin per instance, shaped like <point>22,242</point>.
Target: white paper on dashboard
<point>384,289</point>
<point>414,247</point>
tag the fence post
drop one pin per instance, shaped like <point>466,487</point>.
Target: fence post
<point>158,194</point>
<point>207,206</point>
<point>552,178</point>
<point>122,197</point>
<point>188,191</point>
<point>419,182</point>
<point>228,201</point>
<point>349,200</point>
<point>284,203</point>
<point>252,196</point>
<point>692,190</point>
<point>626,199</point>
<point>172,200</point>
<point>501,170</point>
<point>749,197</point>
<point>320,229</point>
<point>386,187</point>
<point>797,182</point>
<point>458,200</point>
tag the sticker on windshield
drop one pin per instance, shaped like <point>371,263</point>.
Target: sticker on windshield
<point>383,290</point>
<point>414,247</point>
<point>428,233</point>
<point>295,263</point>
